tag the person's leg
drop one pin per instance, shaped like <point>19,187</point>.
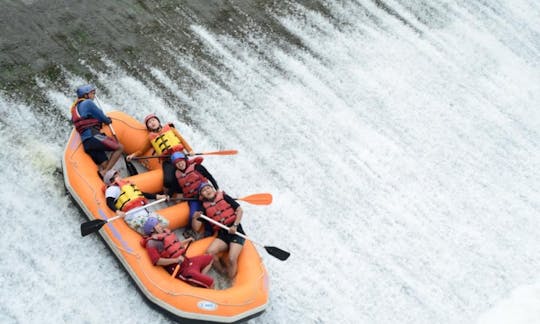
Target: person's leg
<point>169,177</point>
<point>216,247</point>
<point>97,146</point>
<point>234,252</point>
<point>95,149</point>
<point>236,244</point>
<point>118,149</point>
<point>199,266</point>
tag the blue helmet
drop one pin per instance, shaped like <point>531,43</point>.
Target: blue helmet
<point>202,185</point>
<point>149,225</point>
<point>85,89</point>
<point>176,156</point>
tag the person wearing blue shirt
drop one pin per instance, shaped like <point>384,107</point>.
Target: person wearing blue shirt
<point>88,119</point>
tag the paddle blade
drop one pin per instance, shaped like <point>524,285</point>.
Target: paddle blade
<point>258,199</point>
<point>224,152</point>
<point>277,252</point>
<point>92,226</point>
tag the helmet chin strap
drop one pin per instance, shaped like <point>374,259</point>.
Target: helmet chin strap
<point>155,130</point>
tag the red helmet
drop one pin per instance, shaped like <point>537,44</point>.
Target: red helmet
<point>147,118</point>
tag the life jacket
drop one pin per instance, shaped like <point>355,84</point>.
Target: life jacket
<point>82,123</point>
<point>172,247</point>
<point>190,179</point>
<point>165,141</point>
<point>220,210</point>
<point>131,196</point>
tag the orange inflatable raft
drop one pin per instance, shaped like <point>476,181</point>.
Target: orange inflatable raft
<point>246,297</point>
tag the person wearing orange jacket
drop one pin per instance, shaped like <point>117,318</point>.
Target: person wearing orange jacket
<point>88,118</point>
<point>122,196</point>
<point>164,249</point>
<point>165,140</point>
<point>190,173</point>
<point>222,208</point>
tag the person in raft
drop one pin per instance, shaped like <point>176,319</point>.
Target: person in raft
<point>88,118</point>
<point>122,196</point>
<point>222,208</point>
<point>164,249</point>
<point>190,173</point>
<point>165,140</point>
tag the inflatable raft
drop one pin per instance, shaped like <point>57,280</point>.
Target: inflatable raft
<point>246,297</point>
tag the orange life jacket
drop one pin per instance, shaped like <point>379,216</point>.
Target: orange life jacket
<point>189,180</point>
<point>172,247</point>
<point>82,123</point>
<point>220,210</point>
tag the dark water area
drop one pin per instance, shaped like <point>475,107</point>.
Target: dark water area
<point>46,38</point>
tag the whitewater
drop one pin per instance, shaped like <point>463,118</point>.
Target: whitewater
<point>401,144</point>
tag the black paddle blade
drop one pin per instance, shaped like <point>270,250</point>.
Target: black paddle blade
<point>92,226</point>
<point>277,252</point>
<point>131,168</point>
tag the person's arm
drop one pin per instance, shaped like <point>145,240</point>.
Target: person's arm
<point>237,210</point>
<point>110,203</point>
<point>198,221</point>
<point>147,146</point>
<point>186,145</point>
<point>110,195</point>
<point>154,196</point>
<point>180,259</point>
<point>156,259</point>
<point>89,107</point>
<point>202,170</point>
<point>168,261</point>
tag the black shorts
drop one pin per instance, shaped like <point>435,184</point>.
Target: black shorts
<point>97,145</point>
<point>224,235</point>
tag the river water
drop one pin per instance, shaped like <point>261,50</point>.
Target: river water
<point>400,140</point>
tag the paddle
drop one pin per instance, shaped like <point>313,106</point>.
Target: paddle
<point>272,250</point>
<point>130,167</point>
<point>224,152</point>
<point>94,225</point>
<point>178,265</point>
<point>254,199</point>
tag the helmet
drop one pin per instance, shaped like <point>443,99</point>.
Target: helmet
<point>176,156</point>
<point>202,185</point>
<point>147,118</point>
<point>109,176</point>
<point>149,225</point>
<point>85,89</point>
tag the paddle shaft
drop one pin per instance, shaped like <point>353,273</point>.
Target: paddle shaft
<point>164,156</point>
<point>138,209</point>
<point>178,265</point>
<point>272,250</point>
<point>95,224</point>
<point>227,228</point>
<point>255,199</point>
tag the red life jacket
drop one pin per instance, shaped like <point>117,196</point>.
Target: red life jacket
<point>220,210</point>
<point>190,179</point>
<point>131,196</point>
<point>172,247</point>
<point>165,141</point>
<point>82,123</point>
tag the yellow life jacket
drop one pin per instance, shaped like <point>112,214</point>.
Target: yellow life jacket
<point>165,142</point>
<point>130,197</point>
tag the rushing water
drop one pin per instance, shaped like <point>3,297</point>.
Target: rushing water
<point>400,140</point>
